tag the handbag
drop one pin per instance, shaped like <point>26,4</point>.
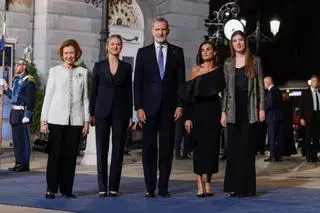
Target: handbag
<point>41,144</point>
<point>83,143</point>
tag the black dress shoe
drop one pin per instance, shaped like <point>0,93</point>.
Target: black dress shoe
<point>186,157</point>
<point>13,169</point>
<point>113,194</point>
<point>164,194</point>
<point>20,169</point>
<point>149,195</point>
<point>277,159</point>
<point>103,194</point>
<point>223,157</point>
<point>50,195</point>
<point>269,159</point>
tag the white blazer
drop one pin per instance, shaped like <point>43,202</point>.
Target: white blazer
<point>66,96</point>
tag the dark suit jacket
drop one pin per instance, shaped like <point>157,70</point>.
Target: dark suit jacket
<point>150,92</point>
<point>274,105</point>
<point>110,91</point>
<point>306,106</point>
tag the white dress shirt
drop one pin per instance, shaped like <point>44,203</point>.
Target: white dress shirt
<point>66,99</point>
<point>164,51</point>
<point>314,93</point>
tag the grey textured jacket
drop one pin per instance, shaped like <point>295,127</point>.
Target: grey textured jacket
<point>66,97</point>
<point>256,95</point>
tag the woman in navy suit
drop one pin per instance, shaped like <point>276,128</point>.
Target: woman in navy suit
<point>111,106</point>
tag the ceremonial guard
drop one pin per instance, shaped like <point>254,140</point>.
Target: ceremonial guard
<point>23,97</point>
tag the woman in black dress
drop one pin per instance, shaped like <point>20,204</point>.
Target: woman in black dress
<point>203,114</point>
<point>242,108</point>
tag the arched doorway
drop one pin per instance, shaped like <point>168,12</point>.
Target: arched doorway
<point>126,19</point>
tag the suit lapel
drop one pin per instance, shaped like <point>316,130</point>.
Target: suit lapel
<point>105,69</point>
<point>169,58</point>
<point>153,55</point>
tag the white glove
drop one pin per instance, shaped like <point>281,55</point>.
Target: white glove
<point>25,120</point>
<point>3,83</point>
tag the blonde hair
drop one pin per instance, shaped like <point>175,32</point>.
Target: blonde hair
<point>114,36</point>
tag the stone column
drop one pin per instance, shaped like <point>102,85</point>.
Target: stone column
<point>90,156</point>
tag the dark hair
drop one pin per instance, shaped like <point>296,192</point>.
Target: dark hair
<point>199,59</point>
<point>160,19</point>
<point>248,55</point>
<point>67,43</point>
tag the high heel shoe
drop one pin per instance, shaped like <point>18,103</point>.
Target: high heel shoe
<point>208,189</point>
<point>50,195</point>
<point>209,194</point>
<point>201,194</point>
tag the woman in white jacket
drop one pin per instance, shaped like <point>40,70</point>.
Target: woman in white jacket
<point>65,116</point>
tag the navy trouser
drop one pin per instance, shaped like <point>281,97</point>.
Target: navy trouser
<point>274,138</point>
<point>21,144</point>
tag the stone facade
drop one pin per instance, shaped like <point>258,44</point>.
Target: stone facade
<point>57,20</point>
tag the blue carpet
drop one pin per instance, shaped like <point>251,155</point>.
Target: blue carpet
<point>28,189</point>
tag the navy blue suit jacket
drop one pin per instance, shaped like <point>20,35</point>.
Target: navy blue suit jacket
<point>110,91</point>
<point>274,105</point>
<point>150,92</point>
<point>23,93</point>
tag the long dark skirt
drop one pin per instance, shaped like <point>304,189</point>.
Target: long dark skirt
<point>240,176</point>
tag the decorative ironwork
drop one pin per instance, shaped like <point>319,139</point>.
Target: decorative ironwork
<point>111,2</point>
<point>93,2</point>
<point>218,18</point>
<point>130,39</point>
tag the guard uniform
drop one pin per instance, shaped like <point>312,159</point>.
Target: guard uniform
<point>23,97</point>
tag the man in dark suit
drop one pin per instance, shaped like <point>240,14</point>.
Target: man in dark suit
<point>159,72</point>
<point>309,115</point>
<point>273,119</point>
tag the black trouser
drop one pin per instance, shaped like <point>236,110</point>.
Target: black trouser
<point>119,133</point>
<point>62,157</point>
<point>261,133</point>
<point>164,124</point>
<point>21,144</point>
<point>313,136</point>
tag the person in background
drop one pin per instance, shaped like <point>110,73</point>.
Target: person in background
<point>111,107</point>
<point>65,117</point>
<point>181,137</point>
<point>274,119</point>
<point>23,99</point>
<point>288,143</point>
<point>201,95</point>
<point>309,115</point>
<point>242,107</point>
<point>132,127</point>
